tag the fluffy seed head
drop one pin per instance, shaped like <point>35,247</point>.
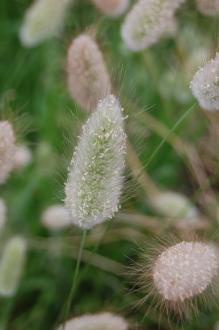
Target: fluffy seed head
<point>88,79</point>
<point>22,158</point>
<point>174,205</point>
<point>208,7</point>
<point>104,321</point>
<point>3,213</point>
<point>185,270</point>
<point>7,150</point>
<point>205,85</point>
<point>11,265</point>
<point>148,21</point>
<point>112,7</point>
<point>43,20</point>
<point>95,178</point>
<point>56,217</point>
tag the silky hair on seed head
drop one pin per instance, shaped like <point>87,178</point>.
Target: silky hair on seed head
<point>43,20</point>
<point>106,321</point>
<point>88,78</point>
<point>174,278</point>
<point>205,85</point>
<point>112,8</point>
<point>148,21</point>
<point>95,176</point>
<point>7,150</point>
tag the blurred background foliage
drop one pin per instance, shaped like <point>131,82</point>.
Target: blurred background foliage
<point>34,94</point>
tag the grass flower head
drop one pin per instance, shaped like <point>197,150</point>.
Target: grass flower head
<point>88,78</point>
<point>95,177</point>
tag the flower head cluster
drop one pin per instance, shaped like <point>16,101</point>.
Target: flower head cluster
<point>208,7</point>
<point>185,270</point>
<point>88,79</point>
<point>112,7</point>
<point>11,265</point>
<point>56,217</point>
<point>95,178</point>
<point>205,85</point>
<point>104,321</point>
<point>43,20</point>
<point>7,150</point>
<point>148,21</point>
<point>174,205</point>
<point>23,157</point>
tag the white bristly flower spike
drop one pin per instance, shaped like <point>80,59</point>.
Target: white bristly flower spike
<point>104,321</point>
<point>95,178</point>
<point>11,265</point>
<point>88,78</point>
<point>3,214</point>
<point>7,150</point>
<point>43,20</point>
<point>56,217</point>
<point>185,270</point>
<point>23,157</point>
<point>205,85</point>
<point>148,21</point>
<point>174,205</point>
<point>111,8</point>
<point>208,7</point>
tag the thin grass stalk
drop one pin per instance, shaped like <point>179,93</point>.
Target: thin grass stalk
<point>74,282</point>
<point>139,172</point>
<point>186,151</point>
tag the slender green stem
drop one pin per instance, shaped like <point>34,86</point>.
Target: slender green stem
<point>74,282</point>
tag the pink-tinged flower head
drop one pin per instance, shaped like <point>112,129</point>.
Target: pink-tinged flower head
<point>208,7</point>
<point>148,21</point>
<point>88,79</point>
<point>7,150</point>
<point>205,85</point>
<point>112,7</point>
<point>185,270</point>
<point>104,321</point>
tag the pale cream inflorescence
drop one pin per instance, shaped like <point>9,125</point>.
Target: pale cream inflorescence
<point>88,78</point>
<point>7,150</point>
<point>111,7</point>
<point>56,217</point>
<point>3,214</point>
<point>148,21</point>
<point>205,85</point>
<point>185,270</point>
<point>11,265</point>
<point>174,205</point>
<point>23,157</point>
<point>104,321</point>
<point>95,178</point>
<point>43,20</point>
<point>208,7</point>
